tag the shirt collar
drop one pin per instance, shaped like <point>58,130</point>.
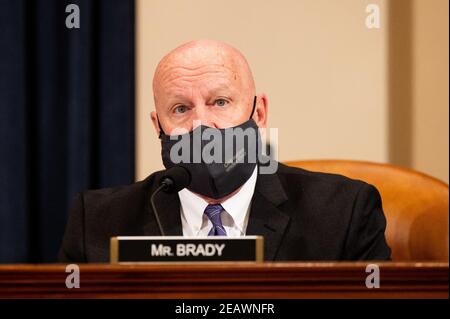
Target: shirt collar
<point>193,206</point>
<point>238,204</point>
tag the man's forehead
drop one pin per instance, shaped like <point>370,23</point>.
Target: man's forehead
<point>207,66</point>
<point>180,72</point>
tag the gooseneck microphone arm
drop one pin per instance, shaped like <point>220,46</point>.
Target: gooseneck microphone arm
<point>152,201</point>
<point>174,179</point>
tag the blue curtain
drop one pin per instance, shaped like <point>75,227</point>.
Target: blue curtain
<point>67,115</point>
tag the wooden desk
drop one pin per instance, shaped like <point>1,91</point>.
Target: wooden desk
<point>237,280</point>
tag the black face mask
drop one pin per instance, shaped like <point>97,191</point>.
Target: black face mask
<point>219,160</point>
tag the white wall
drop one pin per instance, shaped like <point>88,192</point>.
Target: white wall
<point>430,88</point>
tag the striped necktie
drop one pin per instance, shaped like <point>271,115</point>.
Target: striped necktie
<point>213,213</point>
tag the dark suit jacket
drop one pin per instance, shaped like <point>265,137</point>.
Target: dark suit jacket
<point>302,215</point>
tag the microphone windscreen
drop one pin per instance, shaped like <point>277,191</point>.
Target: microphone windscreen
<point>180,177</point>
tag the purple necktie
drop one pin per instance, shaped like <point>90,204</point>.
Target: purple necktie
<point>213,213</point>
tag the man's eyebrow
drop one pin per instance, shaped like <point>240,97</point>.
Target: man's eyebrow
<point>176,96</point>
<point>214,90</point>
<point>221,87</point>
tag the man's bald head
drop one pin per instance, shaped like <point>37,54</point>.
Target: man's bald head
<point>198,53</point>
<point>204,80</point>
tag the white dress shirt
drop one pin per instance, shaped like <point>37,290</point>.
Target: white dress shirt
<point>234,217</point>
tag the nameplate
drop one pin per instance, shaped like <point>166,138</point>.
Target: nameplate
<point>147,249</point>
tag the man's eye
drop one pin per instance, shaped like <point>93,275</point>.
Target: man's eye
<point>180,109</point>
<point>221,102</point>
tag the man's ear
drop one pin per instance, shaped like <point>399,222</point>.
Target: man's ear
<point>154,118</point>
<point>260,115</point>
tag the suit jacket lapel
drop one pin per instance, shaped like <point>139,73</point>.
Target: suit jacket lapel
<point>266,218</point>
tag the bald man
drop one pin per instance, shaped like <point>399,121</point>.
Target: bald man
<point>206,87</point>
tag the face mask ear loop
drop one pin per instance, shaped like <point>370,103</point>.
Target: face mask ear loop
<point>253,111</point>
<point>161,131</point>
<point>254,107</point>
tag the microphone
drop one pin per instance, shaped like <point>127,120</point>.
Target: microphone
<point>173,180</point>
<point>247,248</point>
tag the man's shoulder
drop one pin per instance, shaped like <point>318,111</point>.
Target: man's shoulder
<point>319,184</point>
<point>315,177</point>
<point>124,193</point>
<point>341,218</point>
